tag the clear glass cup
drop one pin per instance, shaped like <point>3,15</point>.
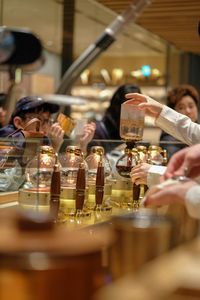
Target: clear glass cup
<point>131,122</point>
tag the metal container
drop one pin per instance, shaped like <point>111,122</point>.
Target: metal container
<point>173,276</point>
<point>187,227</point>
<point>141,236</point>
<point>44,262</point>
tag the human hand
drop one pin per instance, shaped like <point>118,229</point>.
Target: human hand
<point>88,133</point>
<point>152,107</point>
<point>184,162</point>
<point>139,173</point>
<point>170,192</point>
<point>56,135</point>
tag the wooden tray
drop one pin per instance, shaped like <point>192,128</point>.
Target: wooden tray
<point>7,197</point>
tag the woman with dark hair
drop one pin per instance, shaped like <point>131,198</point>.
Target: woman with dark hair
<point>108,127</point>
<point>183,99</point>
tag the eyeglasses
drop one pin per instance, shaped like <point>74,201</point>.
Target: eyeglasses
<point>43,121</point>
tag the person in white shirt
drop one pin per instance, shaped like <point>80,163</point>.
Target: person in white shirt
<point>169,120</point>
<point>177,188</point>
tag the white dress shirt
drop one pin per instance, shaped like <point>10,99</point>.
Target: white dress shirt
<point>182,128</point>
<point>178,125</point>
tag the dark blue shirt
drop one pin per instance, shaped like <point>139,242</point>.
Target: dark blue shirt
<point>20,143</point>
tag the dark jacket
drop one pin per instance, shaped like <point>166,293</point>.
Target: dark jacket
<point>101,132</point>
<point>18,138</point>
<point>172,147</point>
<point>107,136</point>
<point>21,144</point>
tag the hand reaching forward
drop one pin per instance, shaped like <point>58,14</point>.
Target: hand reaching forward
<point>139,173</point>
<point>184,162</point>
<point>151,106</point>
<point>169,192</point>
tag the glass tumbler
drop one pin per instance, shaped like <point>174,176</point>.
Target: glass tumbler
<point>131,122</point>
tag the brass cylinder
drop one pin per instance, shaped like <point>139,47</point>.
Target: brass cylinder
<point>141,236</point>
<point>45,263</point>
<point>34,199</point>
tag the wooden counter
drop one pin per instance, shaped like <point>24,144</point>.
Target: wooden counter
<point>8,199</point>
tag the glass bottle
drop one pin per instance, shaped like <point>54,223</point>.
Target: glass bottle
<point>142,152</point>
<point>155,155</point>
<point>35,193</point>
<point>39,169</point>
<point>127,161</point>
<point>70,163</point>
<point>92,160</point>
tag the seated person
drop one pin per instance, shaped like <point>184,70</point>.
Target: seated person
<point>33,107</point>
<point>31,119</point>
<point>27,109</point>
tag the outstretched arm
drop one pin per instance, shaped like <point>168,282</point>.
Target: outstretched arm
<point>184,162</point>
<point>168,192</point>
<point>152,107</point>
<point>174,123</point>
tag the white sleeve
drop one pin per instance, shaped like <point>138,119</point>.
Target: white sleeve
<point>154,174</point>
<point>178,125</point>
<point>192,201</point>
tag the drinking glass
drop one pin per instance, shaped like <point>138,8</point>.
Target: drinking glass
<point>131,122</point>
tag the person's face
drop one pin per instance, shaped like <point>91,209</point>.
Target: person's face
<point>188,107</point>
<point>46,122</point>
<point>43,117</point>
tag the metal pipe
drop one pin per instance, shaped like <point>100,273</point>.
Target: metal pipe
<point>101,44</point>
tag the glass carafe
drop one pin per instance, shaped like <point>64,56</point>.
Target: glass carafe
<point>127,161</point>
<point>70,163</point>
<point>35,193</point>
<point>39,169</point>
<point>129,198</point>
<point>92,160</point>
<point>156,155</point>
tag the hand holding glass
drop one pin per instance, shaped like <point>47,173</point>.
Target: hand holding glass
<point>131,122</point>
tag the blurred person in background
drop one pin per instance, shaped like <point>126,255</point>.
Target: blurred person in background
<point>27,109</point>
<point>31,111</point>
<point>184,99</point>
